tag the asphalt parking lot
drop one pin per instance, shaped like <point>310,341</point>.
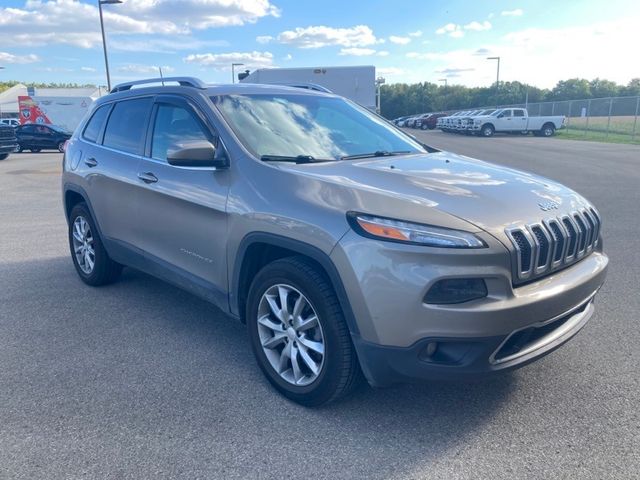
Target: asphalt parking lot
<point>141,380</point>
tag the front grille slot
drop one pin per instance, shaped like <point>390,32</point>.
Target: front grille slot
<point>554,243</point>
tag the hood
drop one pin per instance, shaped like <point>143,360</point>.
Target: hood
<point>423,187</point>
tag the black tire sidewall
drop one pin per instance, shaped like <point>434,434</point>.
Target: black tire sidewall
<point>100,272</point>
<point>281,272</point>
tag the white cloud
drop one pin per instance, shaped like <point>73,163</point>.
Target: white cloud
<point>417,33</point>
<point>6,57</point>
<point>88,69</point>
<point>322,36</point>
<point>363,52</point>
<point>223,61</point>
<point>71,22</point>
<point>288,57</point>
<point>128,43</point>
<point>399,40</point>
<point>512,13</point>
<point>138,68</point>
<point>478,26</point>
<point>264,38</point>
<point>535,56</point>
<point>389,71</point>
<point>451,29</point>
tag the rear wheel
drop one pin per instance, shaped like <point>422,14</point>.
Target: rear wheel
<point>548,130</point>
<point>298,333</point>
<point>3,156</point>
<point>487,130</point>
<point>61,146</point>
<point>18,149</point>
<point>93,264</point>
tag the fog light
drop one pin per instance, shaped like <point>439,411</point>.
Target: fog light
<point>456,290</point>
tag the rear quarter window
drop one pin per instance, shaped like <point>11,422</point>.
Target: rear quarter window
<point>95,123</point>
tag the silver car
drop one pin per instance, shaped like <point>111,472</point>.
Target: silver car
<point>349,249</point>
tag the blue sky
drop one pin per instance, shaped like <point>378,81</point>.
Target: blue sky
<point>410,41</point>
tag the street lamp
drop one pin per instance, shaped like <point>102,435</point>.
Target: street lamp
<point>233,71</point>
<point>443,80</point>
<point>498,70</point>
<point>104,42</point>
<point>379,82</point>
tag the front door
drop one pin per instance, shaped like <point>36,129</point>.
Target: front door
<point>182,220</point>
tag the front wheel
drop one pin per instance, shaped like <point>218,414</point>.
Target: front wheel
<point>487,130</point>
<point>298,333</point>
<point>61,146</point>
<point>3,156</point>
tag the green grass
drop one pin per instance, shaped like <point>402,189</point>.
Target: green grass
<point>598,136</point>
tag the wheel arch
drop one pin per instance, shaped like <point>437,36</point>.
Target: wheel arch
<point>260,248</point>
<point>74,194</point>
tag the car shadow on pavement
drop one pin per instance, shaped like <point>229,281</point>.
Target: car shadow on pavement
<point>148,374</point>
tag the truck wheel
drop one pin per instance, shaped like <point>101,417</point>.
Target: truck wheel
<point>93,264</point>
<point>424,126</point>
<point>298,333</point>
<point>487,130</point>
<point>548,130</point>
<point>3,156</point>
<point>19,149</point>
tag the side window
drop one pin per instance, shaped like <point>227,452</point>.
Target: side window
<point>28,129</point>
<point>518,113</point>
<point>174,124</point>
<point>505,114</point>
<point>126,125</point>
<point>94,125</point>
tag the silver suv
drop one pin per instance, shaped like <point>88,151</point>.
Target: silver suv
<point>347,247</point>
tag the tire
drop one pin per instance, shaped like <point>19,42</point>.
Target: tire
<point>337,371</point>
<point>4,156</point>
<point>548,130</point>
<point>61,146</point>
<point>104,270</point>
<point>19,149</point>
<point>423,127</point>
<point>487,130</point>
<point>431,127</point>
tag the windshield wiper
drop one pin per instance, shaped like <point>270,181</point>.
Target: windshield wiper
<point>378,153</point>
<point>297,159</point>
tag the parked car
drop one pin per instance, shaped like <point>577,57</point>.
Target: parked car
<point>12,122</point>
<point>511,120</point>
<point>346,246</point>
<point>420,119</point>
<point>8,142</point>
<point>36,137</point>
<point>431,121</point>
<point>411,121</point>
<point>400,121</point>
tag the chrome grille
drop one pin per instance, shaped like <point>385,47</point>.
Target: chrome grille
<point>549,245</point>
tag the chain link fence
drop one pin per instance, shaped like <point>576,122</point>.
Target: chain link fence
<point>613,119</point>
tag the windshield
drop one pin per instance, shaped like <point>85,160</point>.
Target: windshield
<point>292,125</point>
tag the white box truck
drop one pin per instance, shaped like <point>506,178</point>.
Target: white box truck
<point>355,83</point>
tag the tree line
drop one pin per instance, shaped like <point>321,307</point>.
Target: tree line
<point>6,85</point>
<point>400,99</point>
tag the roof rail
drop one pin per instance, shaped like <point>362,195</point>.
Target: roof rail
<point>183,81</point>
<point>305,85</point>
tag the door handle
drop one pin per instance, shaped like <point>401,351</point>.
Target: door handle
<point>91,162</point>
<point>147,177</point>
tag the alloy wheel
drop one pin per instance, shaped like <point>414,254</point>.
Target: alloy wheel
<point>83,245</point>
<point>291,335</point>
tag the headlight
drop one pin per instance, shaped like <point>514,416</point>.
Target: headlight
<point>412,233</point>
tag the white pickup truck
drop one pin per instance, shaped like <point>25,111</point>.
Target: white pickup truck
<point>513,120</point>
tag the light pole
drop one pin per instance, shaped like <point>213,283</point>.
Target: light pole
<point>444,103</point>
<point>443,80</point>
<point>379,82</point>
<point>233,71</point>
<point>104,42</point>
<point>498,70</point>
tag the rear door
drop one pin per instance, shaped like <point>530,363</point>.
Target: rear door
<point>182,210</point>
<point>109,164</point>
<point>519,119</point>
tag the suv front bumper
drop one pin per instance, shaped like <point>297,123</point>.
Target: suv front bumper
<point>386,284</point>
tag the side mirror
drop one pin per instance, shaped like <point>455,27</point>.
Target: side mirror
<point>198,153</point>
